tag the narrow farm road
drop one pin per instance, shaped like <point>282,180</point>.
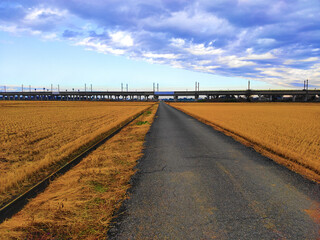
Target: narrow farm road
<point>196,183</point>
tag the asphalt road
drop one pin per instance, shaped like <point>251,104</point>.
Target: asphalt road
<point>196,183</point>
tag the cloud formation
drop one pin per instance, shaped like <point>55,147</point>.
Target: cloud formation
<point>275,41</point>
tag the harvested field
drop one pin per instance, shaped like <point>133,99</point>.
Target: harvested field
<point>287,132</point>
<point>38,137</point>
<point>80,204</point>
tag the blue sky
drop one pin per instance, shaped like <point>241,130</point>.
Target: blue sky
<point>221,44</point>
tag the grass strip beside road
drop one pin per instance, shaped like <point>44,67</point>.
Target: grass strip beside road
<point>80,204</point>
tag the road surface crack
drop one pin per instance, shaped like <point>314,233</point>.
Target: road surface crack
<point>154,171</point>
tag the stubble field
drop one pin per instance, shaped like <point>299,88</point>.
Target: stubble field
<point>289,133</point>
<point>80,204</point>
<point>37,137</point>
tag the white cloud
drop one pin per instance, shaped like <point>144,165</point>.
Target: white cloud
<point>156,55</point>
<point>195,49</point>
<point>176,64</point>
<point>19,30</point>
<point>90,44</point>
<point>234,61</point>
<point>50,36</point>
<point>291,61</point>
<point>310,59</point>
<point>122,38</point>
<point>287,75</point>
<point>201,49</point>
<point>177,42</point>
<point>252,56</point>
<point>204,68</point>
<point>38,14</point>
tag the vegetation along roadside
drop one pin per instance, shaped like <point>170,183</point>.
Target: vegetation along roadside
<point>37,138</point>
<point>288,133</point>
<point>80,204</point>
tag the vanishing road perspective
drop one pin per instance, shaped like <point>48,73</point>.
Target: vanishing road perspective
<point>197,183</point>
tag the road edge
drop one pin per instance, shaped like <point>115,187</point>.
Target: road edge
<point>292,164</point>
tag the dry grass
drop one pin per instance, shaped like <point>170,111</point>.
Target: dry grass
<point>287,132</point>
<point>80,204</point>
<point>37,137</point>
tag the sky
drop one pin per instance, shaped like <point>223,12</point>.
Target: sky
<point>221,44</point>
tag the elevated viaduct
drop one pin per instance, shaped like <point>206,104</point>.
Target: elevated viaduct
<point>210,95</point>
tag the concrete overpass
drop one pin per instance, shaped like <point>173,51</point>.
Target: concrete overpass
<point>210,95</point>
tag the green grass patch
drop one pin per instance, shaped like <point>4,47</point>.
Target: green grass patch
<point>98,187</point>
<point>148,112</point>
<point>142,122</point>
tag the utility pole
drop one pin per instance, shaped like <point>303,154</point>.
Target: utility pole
<point>304,85</point>
<point>249,85</point>
<point>85,87</point>
<point>198,87</point>
<point>91,87</point>
<point>307,87</point>
<point>157,87</point>
<point>154,87</point>
<point>127,87</point>
<point>58,88</point>
<point>51,87</point>
<point>121,87</point>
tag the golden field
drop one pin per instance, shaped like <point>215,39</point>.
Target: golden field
<point>287,132</point>
<point>37,137</point>
<point>80,204</point>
